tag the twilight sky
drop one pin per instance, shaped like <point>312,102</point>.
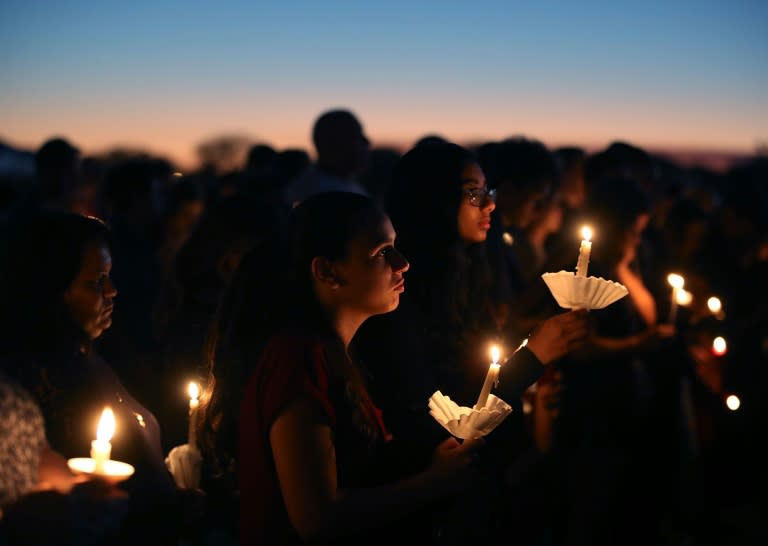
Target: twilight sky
<point>165,74</point>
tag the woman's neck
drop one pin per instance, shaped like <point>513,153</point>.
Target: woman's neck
<point>346,323</point>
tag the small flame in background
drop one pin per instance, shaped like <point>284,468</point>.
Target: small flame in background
<point>719,346</point>
<point>675,280</point>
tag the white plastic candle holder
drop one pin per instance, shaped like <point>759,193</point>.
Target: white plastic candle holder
<point>113,471</point>
<point>184,464</point>
<point>467,423</point>
<point>574,292</point>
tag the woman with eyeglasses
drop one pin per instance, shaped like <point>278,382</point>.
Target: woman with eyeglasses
<point>439,336</point>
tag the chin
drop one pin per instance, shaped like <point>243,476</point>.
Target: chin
<point>390,306</point>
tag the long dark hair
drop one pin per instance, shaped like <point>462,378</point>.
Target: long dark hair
<point>44,256</point>
<point>273,290</point>
<point>447,277</point>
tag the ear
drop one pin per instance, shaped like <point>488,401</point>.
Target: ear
<point>325,272</point>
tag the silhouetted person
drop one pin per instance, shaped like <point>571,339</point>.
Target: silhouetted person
<point>342,154</point>
<point>57,175</point>
<point>524,173</point>
<point>58,166</point>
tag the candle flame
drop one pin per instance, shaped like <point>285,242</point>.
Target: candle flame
<point>194,390</point>
<point>586,233</point>
<point>714,304</point>
<point>719,346</point>
<point>683,297</point>
<point>675,280</point>
<point>495,354</point>
<point>106,426</point>
<point>733,402</point>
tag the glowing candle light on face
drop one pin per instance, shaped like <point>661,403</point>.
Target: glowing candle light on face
<point>194,394</point>
<point>490,378</point>
<point>101,449</point>
<point>584,250</point>
<point>676,282</point>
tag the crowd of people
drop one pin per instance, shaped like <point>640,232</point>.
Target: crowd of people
<point>320,303</point>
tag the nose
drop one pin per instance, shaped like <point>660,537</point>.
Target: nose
<point>109,288</point>
<point>489,205</point>
<point>398,262</point>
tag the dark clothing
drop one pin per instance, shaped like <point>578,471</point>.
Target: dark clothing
<point>294,366</point>
<point>407,359</point>
<point>72,392</point>
<point>22,438</point>
<point>618,438</point>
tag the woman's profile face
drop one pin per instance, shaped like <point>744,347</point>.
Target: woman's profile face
<point>89,297</point>
<point>475,209</point>
<point>371,276</point>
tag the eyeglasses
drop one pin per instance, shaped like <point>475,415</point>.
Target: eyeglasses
<point>480,197</point>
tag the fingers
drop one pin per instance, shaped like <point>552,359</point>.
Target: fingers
<point>449,444</point>
<point>471,445</point>
<point>666,330</point>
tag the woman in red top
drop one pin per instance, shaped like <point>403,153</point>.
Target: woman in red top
<point>289,407</point>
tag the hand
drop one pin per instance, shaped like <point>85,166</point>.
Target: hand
<point>559,335</point>
<point>453,464</point>
<point>193,509</point>
<point>658,333</point>
<point>96,489</point>
<point>709,368</point>
<point>629,255</point>
<point>664,331</point>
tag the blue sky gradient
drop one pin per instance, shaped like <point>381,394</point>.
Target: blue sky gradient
<point>167,74</point>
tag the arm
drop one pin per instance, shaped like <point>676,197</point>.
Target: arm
<point>553,339</point>
<point>599,346</point>
<point>53,472</point>
<point>638,293</point>
<point>305,460</point>
<point>521,371</point>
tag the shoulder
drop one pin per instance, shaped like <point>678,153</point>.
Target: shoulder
<point>15,400</point>
<point>294,352</point>
<point>293,365</point>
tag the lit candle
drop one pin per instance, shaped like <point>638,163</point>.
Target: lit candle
<point>715,305</point>
<point>676,282</point>
<point>194,402</point>
<point>683,297</point>
<point>719,346</point>
<point>490,378</point>
<point>733,402</point>
<point>101,449</point>
<point>584,250</point>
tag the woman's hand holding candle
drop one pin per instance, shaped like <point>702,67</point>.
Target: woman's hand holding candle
<point>558,335</point>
